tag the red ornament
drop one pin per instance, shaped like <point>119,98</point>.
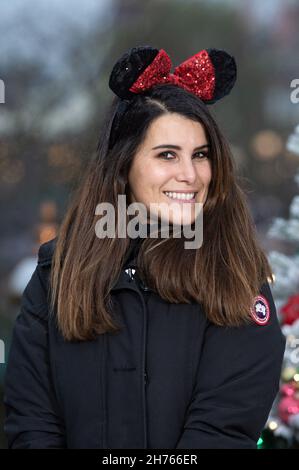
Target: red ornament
<point>290,311</point>
<point>289,404</point>
<point>196,74</point>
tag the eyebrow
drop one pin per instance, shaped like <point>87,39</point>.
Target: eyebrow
<point>178,147</point>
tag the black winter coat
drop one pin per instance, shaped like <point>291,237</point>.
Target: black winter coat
<point>170,379</point>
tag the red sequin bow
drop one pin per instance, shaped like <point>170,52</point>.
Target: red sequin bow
<point>196,74</point>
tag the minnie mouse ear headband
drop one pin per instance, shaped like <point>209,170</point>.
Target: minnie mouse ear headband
<point>210,74</point>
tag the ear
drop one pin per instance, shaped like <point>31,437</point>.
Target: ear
<point>225,73</point>
<point>128,68</point>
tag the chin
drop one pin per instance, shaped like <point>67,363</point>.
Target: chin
<point>179,220</point>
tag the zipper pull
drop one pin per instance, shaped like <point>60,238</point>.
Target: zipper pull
<point>131,273</point>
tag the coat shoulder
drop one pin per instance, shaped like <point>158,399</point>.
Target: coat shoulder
<point>45,252</point>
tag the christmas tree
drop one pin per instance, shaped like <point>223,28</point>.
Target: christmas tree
<point>282,428</point>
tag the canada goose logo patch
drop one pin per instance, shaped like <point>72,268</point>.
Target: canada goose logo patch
<point>260,310</point>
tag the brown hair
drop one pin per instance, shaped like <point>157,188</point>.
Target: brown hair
<point>223,275</point>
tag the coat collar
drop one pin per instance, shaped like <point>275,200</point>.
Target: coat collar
<point>124,281</point>
<point>128,272</point>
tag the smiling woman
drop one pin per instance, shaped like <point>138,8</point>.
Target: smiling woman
<point>176,348</point>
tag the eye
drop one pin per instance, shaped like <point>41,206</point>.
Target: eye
<point>200,155</point>
<point>163,155</point>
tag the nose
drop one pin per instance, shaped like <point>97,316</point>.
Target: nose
<point>186,171</point>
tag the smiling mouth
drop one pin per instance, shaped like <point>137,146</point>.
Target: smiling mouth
<point>181,197</point>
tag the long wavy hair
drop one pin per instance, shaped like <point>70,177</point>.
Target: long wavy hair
<point>223,275</point>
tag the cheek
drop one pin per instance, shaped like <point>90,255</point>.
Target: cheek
<point>148,176</point>
<point>206,175</point>
<point>160,174</point>
<point>208,178</point>
<point>141,181</point>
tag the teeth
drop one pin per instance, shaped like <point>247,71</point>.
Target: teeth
<point>183,196</point>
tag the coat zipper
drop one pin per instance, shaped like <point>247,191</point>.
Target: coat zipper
<point>134,287</point>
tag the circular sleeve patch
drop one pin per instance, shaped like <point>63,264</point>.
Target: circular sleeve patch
<point>260,310</point>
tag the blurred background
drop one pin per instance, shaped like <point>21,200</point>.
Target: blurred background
<point>55,61</point>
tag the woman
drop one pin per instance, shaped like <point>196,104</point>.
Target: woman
<point>142,343</point>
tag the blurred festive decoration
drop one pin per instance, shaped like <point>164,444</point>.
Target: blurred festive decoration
<point>293,141</point>
<point>44,231</point>
<point>267,144</point>
<point>11,171</point>
<point>20,276</point>
<point>47,228</point>
<point>289,403</point>
<point>282,429</point>
<point>64,162</point>
<point>290,310</point>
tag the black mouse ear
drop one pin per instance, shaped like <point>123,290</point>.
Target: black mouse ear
<point>128,68</point>
<point>225,73</point>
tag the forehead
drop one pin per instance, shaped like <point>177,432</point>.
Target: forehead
<point>173,128</point>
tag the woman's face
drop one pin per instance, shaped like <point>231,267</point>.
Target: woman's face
<point>178,173</point>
